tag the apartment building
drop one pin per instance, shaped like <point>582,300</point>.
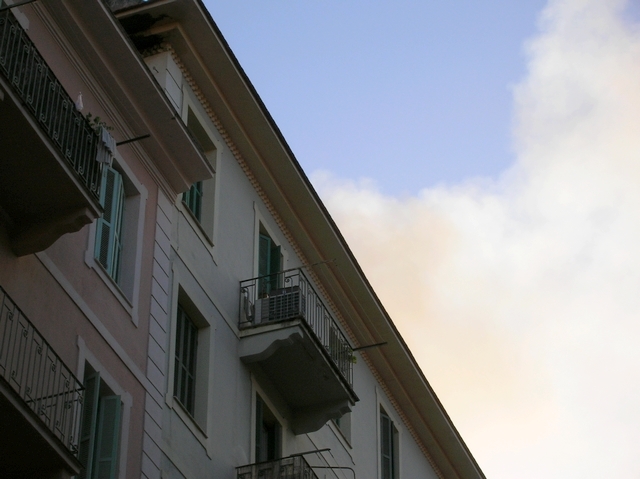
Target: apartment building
<point>78,197</point>
<point>199,312</point>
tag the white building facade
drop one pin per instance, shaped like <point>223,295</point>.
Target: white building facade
<point>274,357</point>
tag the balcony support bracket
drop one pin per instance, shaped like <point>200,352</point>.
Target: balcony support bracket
<point>39,235</point>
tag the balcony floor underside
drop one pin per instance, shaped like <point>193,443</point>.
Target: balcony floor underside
<point>27,449</point>
<point>301,373</point>
<point>39,191</point>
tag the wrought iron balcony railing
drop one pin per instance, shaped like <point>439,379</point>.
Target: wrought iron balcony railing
<point>289,295</point>
<point>295,467</point>
<point>37,374</point>
<point>44,96</point>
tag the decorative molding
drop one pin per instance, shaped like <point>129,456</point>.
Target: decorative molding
<point>166,47</point>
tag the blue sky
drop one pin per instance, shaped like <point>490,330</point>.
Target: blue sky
<point>517,293</point>
<point>408,93</point>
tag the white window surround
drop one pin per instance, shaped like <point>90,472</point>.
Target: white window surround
<point>260,222</point>
<point>383,404</point>
<point>128,291</point>
<point>343,433</point>
<point>256,391</point>
<point>207,227</point>
<point>86,356</point>
<point>187,292</point>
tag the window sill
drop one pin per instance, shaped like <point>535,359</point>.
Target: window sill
<point>341,437</point>
<point>189,421</point>
<point>205,239</point>
<point>197,226</point>
<point>115,289</point>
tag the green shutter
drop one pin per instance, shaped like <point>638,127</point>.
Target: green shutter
<point>264,264</point>
<point>264,256</point>
<point>107,438</point>
<point>274,266</point>
<point>109,227</point>
<point>89,419</point>
<point>269,264</point>
<point>193,199</point>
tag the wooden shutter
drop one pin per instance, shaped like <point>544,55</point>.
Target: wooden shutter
<point>109,227</point>
<point>89,420</point>
<point>107,438</point>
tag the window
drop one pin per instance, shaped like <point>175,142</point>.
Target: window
<point>269,264</point>
<point>108,246</point>
<point>200,199</point>
<point>268,433</point>
<point>117,243</point>
<point>100,430</point>
<point>344,424</point>
<point>189,387</point>
<point>193,200</point>
<point>184,384</point>
<point>388,447</point>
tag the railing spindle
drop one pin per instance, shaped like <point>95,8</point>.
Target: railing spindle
<point>45,97</point>
<point>292,296</point>
<point>31,367</point>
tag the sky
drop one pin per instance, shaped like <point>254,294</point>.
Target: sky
<point>482,161</point>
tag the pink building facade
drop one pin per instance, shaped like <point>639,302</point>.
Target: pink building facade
<point>77,283</point>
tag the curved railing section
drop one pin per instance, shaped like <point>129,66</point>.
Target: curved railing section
<point>30,366</point>
<point>44,96</point>
<point>295,467</point>
<point>290,295</point>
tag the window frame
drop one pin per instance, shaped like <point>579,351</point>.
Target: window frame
<point>112,200</point>
<point>187,292</point>
<point>258,392</point>
<point>102,428</point>
<point>186,351</point>
<point>127,290</point>
<point>262,407</point>
<point>388,431</point>
<point>261,227</point>
<point>88,363</point>
<point>206,219</point>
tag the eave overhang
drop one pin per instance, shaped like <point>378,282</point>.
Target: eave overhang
<point>263,147</point>
<point>119,70</point>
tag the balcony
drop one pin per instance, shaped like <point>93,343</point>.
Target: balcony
<point>50,174</point>
<point>295,467</point>
<point>290,338</point>
<point>40,402</point>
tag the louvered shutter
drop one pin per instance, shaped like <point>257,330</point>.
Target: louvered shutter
<point>109,226</point>
<point>193,199</point>
<point>107,438</point>
<point>264,263</point>
<point>88,428</point>
<point>274,266</point>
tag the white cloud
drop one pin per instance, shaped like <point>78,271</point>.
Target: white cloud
<point>520,297</point>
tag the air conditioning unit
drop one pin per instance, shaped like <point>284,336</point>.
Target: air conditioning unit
<point>282,304</point>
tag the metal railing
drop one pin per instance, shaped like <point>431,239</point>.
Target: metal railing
<point>37,374</point>
<point>289,295</point>
<point>44,96</point>
<point>295,467</point>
